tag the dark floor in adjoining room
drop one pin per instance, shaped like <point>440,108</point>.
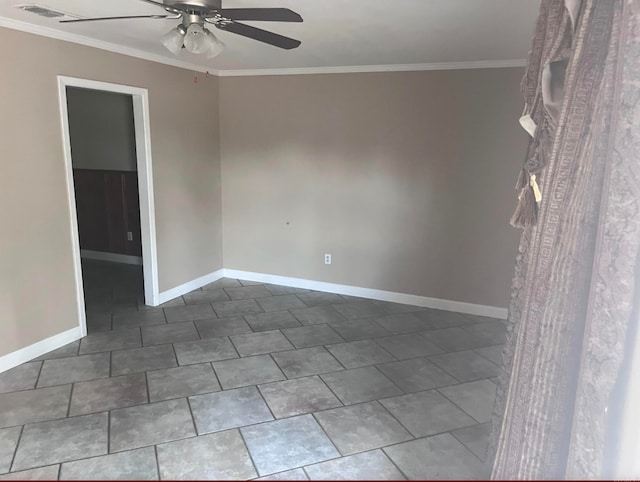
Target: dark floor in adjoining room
<point>241,380</point>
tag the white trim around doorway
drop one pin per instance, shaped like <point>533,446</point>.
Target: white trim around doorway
<point>140,99</point>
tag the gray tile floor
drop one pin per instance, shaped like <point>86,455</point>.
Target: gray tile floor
<point>241,380</point>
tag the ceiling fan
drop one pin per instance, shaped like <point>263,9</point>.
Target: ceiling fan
<point>192,34</point>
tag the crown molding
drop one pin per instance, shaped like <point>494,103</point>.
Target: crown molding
<point>119,49</point>
<point>353,69</point>
<point>100,44</point>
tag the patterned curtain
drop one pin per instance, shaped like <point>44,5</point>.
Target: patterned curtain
<point>575,286</point>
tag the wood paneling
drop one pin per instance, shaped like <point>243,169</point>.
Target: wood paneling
<point>131,200</point>
<point>91,206</point>
<point>108,208</point>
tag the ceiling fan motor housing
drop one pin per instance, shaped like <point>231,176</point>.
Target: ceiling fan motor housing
<point>191,18</point>
<point>204,6</point>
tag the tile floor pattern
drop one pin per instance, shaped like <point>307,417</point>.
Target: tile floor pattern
<point>240,380</point>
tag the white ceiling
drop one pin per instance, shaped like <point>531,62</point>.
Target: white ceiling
<point>335,33</point>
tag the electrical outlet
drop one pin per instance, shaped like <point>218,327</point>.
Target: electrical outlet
<point>129,236</point>
<point>327,259</point>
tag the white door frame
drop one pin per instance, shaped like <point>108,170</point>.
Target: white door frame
<point>145,185</point>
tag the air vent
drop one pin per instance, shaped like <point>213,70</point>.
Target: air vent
<point>44,11</point>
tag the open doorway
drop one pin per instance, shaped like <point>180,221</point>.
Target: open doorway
<point>110,197</point>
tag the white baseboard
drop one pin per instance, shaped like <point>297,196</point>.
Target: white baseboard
<point>189,286</point>
<point>40,348</point>
<point>30,352</point>
<point>114,257</point>
<point>436,303</point>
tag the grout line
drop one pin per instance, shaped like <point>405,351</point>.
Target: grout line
<point>257,303</point>
<point>151,444</point>
<point>290,310</point>
<point>216,377</point>
<point>444,370</point>
<point>334,331</point>
<point>334,408</point>
<point>146,384</point>
<point>463,443</point>
<point>38,377</point>
<point>233,346</point>
<point>70,397</point>
<point>155,454</point>
<point>244,318</point>
<point>175,355</point>
<point>246,446</point>
<point>454,403</point>
<point>265,400</point>
<point>217,317</point>
<point>197,330</point>
<point>387,351</point>
<point>215,312</point>
<point>389,378</point>
<point>279,367</point>
<point>108,431</point>
<point>287,338</point>
<point>193,418</point>
<point>133,449</point>
<point>122,349</point>
<point>59,471</point>
<point>313,415</point>
<point>270,355</point>
<point>305,304</point>
<point>15,451</point>
<point>336,358</point>
<point>450,432</point>
<point>130,406</point>
<point>373,320</point>
<point>388,457</point>
<point>331,390</point>
<point>501,365</point>
<point>394,417</point>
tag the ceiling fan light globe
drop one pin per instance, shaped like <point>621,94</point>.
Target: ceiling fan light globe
<point>173,41</point>
<point>214,46</point>
<point>195,40</point>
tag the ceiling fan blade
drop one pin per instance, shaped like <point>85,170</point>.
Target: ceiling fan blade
<point>111,18</point>
<point>259,35</point>
<point>261,14</point>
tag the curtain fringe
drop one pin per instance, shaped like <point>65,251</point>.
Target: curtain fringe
<point>526,213</point>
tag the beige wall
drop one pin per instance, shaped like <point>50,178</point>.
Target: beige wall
<point>101,129</point>
<point>405,178</point>
<point>37,297</point>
